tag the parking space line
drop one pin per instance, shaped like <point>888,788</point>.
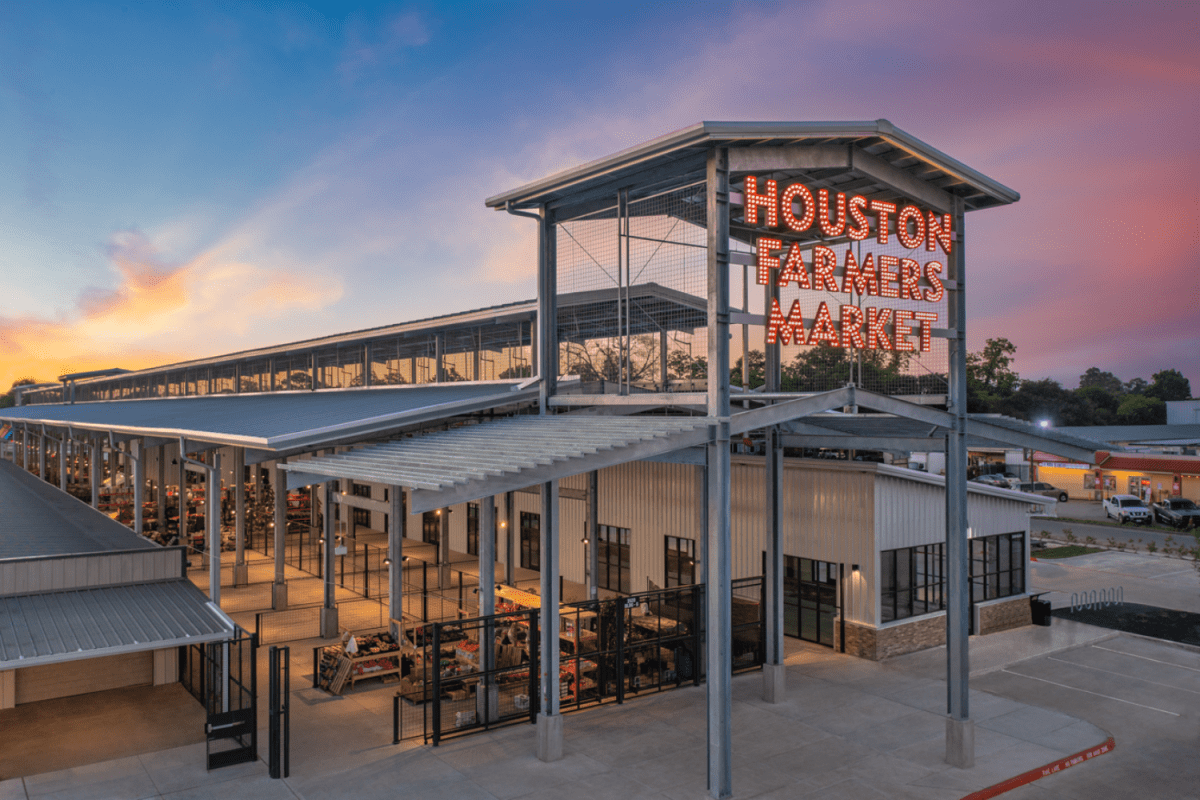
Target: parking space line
<point>1085,691</point>
<point>1122,675</point>
<point>1147,658</point>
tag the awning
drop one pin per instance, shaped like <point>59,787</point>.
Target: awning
<point>52,627</point>
<point>279,421</point>
<point>1142,462</point>
<point>472,461</point>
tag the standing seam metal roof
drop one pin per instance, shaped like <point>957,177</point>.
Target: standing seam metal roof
<point>53,627</point>
<point>274,419</point>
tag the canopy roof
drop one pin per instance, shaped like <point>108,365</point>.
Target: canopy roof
<point>881,157</point>
<point>279,421</point>
<point>36,519</point>
<point>51,627</point>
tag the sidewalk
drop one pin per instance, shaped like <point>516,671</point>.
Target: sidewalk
<point>848,729</point>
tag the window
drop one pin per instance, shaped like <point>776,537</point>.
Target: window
<point>531,540</point>
<point>912,580</point>
<point>472,529</point>
<point>362,518</point>
<point>431,527</point>
<point>681,561</point>
<point>360,490</point>
<point>614,559</point>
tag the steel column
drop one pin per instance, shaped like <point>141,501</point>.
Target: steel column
<point>396,522</point>
<point>329,612</point>
<point>279,589</point>
<point>161,487</point>
<point>720,678</point>
<point>510,533</point>
<point>960,750</point>
<point>240,576</point>
<point>593,533</point>
<point>42,455</point>
<point>137,454</point>
<point>549,718</point>
<point>214,529</point>
<point>774,674</point>
<point>96,470</point>
<point>63,459</point>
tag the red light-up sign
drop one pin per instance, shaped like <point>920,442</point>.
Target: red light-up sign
<point>797,210</point>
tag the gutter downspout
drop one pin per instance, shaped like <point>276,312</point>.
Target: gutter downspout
<point>537,378</point>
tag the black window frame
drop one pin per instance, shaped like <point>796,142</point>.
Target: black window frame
<point>431,528</point>
<point>912,580</point>
<point>680,551</point>
<point>614,561</point>
<point>531,541</point>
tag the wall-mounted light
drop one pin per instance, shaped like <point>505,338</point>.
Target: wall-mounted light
<point>404,558</point>
<point>503,523</point>
<point>387,562</point>
<point>321,540</point>
<point>438,512</point>
<point>854,568</point>
<point>585,540</point>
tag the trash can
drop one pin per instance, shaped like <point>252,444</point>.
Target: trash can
<point>1040,609</point>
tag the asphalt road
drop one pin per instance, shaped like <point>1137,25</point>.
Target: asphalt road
<point>1144,692</point>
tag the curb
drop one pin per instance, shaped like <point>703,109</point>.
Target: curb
<point>1042,772</point>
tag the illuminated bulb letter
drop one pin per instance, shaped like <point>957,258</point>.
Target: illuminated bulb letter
<point>932,270</point>
<point>783,328</point>
<point>831,228</point>
<point>852,321</point>
<point>797,192</point>
<point>824,262</point>
<point>882,210</point>
<point>903,330</point>
<point>859,228</point>
<point>917,237</point>
<point>910,279</point>
<point>877,320</point>
<point>766,261</point>
<point>888,276</point>
<point>794,269</point>
<point>751,200</point>
<point>939,231</point>
<point>823,328</point>
<point>926,318</point>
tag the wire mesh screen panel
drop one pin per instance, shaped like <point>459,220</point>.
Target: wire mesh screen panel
<point>747,637</point>
<point>643,264</point>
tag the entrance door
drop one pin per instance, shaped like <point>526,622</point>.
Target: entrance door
<point>810,599</point>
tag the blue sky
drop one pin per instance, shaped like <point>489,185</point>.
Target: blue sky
<point>179,180</point>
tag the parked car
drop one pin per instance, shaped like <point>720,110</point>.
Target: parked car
<point>991,480</point>
<point>1177,511</point>
<point>1044,489</point>
<point>1127,508</point>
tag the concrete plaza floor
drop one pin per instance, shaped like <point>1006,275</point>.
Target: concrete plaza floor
<point>848,728</point>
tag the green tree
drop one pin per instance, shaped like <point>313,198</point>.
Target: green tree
<point>1040,400</point>
<point>758,370</point>
<point>1169,384</point>
<point>1095,379</point>
<point>1139,409</point>
<point>1137,386</point>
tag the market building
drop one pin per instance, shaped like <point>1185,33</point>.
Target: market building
<point>598,433</point>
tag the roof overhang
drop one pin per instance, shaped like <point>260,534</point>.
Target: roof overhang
<point>884,152</point>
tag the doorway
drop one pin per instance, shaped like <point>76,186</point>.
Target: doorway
<point>810,605</point>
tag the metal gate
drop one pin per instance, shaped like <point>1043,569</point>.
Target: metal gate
<point>223,677</point>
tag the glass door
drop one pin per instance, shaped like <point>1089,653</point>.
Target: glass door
<point>810,599</point>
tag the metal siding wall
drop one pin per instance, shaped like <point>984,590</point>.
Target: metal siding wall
<point>55,574</point>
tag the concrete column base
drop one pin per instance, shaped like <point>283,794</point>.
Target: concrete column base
<point>241,574</point>
<point>329,623</point>
<point>279,596</point>
<point>549,737</point>
<point>492,694</point>
<point>960,743</point>
<point>774,683</point>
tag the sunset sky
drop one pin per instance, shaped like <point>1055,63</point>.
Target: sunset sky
<point>181,180</point>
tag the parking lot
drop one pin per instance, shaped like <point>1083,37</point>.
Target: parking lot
<point>1146,693</point>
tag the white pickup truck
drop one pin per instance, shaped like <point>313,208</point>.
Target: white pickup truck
<point>1127,508</point>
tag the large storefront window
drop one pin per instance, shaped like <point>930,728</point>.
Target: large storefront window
<point>614,559</point>
<point>531,540</point>
<point>912,580</point>
<point>681,561</point>
<point>809,598</point>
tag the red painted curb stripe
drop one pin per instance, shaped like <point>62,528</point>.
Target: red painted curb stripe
<point>1041,772</point>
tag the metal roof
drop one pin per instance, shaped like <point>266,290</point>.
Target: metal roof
<point>665,308</point>
<point>36,519</point>
<point>472,461</point>
<point>681,156</point>
<point>279,420</point>
<point>1128,434</point>
<point>53,627</point>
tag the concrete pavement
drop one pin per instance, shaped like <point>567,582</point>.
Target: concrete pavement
<point>848,728</point>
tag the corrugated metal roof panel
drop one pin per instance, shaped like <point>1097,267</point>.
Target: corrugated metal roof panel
<point>276,420</point>
<point>64,626</point>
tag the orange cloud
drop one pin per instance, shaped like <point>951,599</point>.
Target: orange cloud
<point>155,313</point>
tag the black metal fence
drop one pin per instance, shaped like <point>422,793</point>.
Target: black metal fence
<point>223,677</point>
<point>475,674</point>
